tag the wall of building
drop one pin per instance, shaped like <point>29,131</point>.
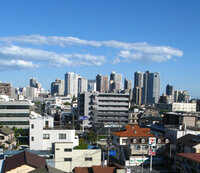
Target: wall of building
<point>105,107</point>
<point>186,107</point>
<point>14,114</point>
<point>38,139</point>
<point>68,160</point>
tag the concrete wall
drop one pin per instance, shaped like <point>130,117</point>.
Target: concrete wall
<point>77,157</point>
<point>37,132</point>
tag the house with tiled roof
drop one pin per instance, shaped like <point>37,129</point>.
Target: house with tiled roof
<point>95,169</point>
<point>187,162</point>
<point>7,138</point>
<point>131,145</point>
<point>23,162</point>
<point>185,144</point>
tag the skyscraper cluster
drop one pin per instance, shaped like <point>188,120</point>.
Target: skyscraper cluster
<point>146,87</point>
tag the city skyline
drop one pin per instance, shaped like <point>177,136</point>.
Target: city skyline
<point>48,39</point>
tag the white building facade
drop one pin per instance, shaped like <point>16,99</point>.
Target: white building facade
<point>185,107</point>
<point>43,134</point>
<point>15,114</point>
<point>67,158</point>
<point>71,84</point>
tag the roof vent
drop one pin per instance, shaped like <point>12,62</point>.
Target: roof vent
<point>134,131</point>
<point>132,127</point>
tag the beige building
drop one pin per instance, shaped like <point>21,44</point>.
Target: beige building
<point>7,137</point>
<point>5,89</point>
<point>67,158</point>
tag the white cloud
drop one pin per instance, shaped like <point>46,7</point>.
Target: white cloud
<point>53,58</point>
<point>138,51</point>
<point>17,65</point>
<point>126,55</point>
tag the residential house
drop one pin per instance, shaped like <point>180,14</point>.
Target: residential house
<point>43,134</point>
<point>132,145</point>
<point>187,162</point>
<point>7,138</point>
<point>186,144</point>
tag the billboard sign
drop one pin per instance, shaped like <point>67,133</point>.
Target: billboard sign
<point>81,118</point>
<point>152,141</point>
<point>112,153</point>
<point>151,152</point>
<point>112,125</point>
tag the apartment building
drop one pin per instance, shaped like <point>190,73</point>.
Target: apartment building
<point>101,108</point>
<point>14,113</point>
<point>177,107</point>
<point>43,134</point>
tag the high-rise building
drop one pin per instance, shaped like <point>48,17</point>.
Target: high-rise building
<point>145,86</point>
<point>181,96</point>
<point>115,81</point>
<point>33,83</point>
<point>137,95</point>
<point>138,80</point>
<point>138,84</point>
<point>102,83</point>
<point>91,85</point>
<point>82,85</point>
<point>57,87</point>
<point>71,84</point>
<point>169,90</point>
<point>153,88</point>
<point>128,85</point>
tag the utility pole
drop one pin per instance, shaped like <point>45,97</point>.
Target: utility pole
<point>142,158</point>
<point>151,164</point>
<point>108,144</point>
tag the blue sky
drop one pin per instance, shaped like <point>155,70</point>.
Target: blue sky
<point>45,39</point>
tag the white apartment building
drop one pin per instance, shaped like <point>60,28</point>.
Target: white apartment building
<point>43,135</point>
<point>67,158</point>
<point>185,107</point>
<point>177,107</point>
<point>14,113</point>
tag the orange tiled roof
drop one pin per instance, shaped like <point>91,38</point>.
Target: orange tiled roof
<point>95,169</point>
<point>192,156</point>
<point>81,170</point>
<point>134,131</point>
<point>100,169</point>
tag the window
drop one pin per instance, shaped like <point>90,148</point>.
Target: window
<point>88,159</point>
<point>32,126</point>
<point>46,124</point>
<point>62,136</point>
<point>117,139</point>
<point>32,138</point>
<point>124,141</point>
<point>67,159</point>
<point>1,137</point>
<point>46,136</point>
<point>67,149</point>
